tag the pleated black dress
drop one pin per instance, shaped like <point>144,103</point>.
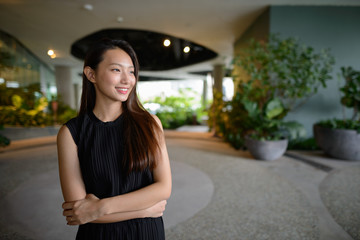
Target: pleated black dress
<point>100,151</point>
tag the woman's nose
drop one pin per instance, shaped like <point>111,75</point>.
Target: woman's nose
<point>124,78</point>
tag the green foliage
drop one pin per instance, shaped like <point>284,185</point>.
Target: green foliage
<point>303,144</point>
<point>351,90</point>
<point>280,75</point>
<point>176,111</point>
<point>29,95</point>
<point>341,124</point>
<point>350,99</point>
<point>285,69</point>
<point>6,60</point>
<point>28,107</point>
<point>4,141</point>
<point>23,107</point>
<point>64,112</point>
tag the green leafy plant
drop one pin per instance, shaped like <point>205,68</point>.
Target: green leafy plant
<point>349,99</point>
<point>284,69</point>
<point>4,141</point>
<point>29,107</point>
<point>351,91</point>
<point>19,114</point>
<point>277,76</point>
<point>341,124</point>
<point>176,111</point>
<point>64,112</point>
<point>303,144</point>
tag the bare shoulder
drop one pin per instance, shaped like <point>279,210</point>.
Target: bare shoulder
<point>67,149</point>
<point>64,132</point>
<point>64,137</point>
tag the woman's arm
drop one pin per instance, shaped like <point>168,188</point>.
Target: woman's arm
<point>71,181</point>
<point>73,187</point>
<point>87,210</point>
<point>153,212</point>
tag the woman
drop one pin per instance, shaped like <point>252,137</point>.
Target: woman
<point>113,163</point>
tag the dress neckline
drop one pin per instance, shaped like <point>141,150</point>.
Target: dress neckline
<point>96,120</point>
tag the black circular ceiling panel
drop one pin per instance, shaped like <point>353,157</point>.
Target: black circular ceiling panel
<point>150,49</point>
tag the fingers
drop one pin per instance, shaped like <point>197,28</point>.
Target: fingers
<point>68,213</point>
<point>71,221</point>
<point>68,205</point>
<point>82,211</point>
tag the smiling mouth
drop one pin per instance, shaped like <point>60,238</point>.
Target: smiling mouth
<point>122,90</point>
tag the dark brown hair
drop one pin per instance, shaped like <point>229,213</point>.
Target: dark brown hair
<point>141,131</point>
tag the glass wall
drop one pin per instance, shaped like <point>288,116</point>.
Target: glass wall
<point>19,68</point>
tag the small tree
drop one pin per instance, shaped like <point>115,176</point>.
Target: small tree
<point>351,91</point>
<point>281,74</point>
<point>350,99</point>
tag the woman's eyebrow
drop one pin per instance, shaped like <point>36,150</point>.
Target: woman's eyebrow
<point>122,65</point>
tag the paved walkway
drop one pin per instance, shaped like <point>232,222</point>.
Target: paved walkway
<point>218,193</point>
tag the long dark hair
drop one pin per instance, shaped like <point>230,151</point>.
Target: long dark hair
<point>141,131</point>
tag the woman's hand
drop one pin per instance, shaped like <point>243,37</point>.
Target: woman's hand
<point>156,211</point>
<point>82,211</point>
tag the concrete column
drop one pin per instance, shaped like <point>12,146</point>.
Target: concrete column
<point>204,94</point>
<point>43,82</point>
<point>218,75</point>
<point>64,85</point>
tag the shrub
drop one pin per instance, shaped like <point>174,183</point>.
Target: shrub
<point>176,111</point>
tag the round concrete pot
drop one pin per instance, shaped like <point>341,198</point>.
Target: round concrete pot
<point>266,150</point>
<point>342,144</point>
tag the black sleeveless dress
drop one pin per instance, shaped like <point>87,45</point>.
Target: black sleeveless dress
<point>100,151</point>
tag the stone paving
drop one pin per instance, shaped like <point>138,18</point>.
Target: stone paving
<point>218,193</point>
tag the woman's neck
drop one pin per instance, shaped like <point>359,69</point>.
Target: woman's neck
<point>107,112</point>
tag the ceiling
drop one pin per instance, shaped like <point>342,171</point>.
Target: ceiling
<point>56,24</point>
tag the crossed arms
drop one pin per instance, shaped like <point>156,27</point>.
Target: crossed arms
<point>80,207</point>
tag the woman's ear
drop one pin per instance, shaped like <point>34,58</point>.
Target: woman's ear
<point>90,74</point>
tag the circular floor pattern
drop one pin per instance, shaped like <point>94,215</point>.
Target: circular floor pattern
<point>335,190</point>
<point>34,208</point>
<point>249,202</point>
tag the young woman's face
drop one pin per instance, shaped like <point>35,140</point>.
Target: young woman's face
<point>114,77</point>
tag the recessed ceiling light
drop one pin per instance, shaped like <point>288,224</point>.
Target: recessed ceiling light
<point>120,19</point>
<point>50,52</point>
<point>88,7</point>
<point>186,49</point>
<point>167,42</point>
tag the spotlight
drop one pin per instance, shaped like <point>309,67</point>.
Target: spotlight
<point>186,49</point>
<point>167,42</point>
<point>50,52</point>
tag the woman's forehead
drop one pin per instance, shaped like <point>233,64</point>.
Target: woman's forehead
<point>118,56</point>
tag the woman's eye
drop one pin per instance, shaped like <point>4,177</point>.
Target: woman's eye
<point>116,70</point>
<point>132,72</point>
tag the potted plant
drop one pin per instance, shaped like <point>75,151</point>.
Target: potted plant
<point>340,138</point>
<point>275,77</point>
<point>266,135</point>
<point>266,140</point>
<point>4,141</point>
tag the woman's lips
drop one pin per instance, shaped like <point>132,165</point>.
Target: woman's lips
<point>122,90</point>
